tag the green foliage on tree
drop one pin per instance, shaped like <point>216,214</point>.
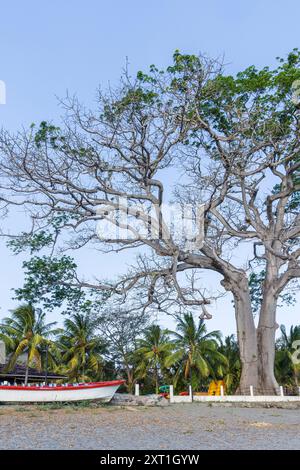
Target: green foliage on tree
<point>287,358</point>
<point>26,332</point>
<point>51,282</point>
<point>82,349</point>
<point>232,370</point>
<point>196,356</point>
<point>153,351</point>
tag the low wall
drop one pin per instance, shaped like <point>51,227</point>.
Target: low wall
<point>245,399</point>
<point>181,399</point>
<point>232,398</point>
<point>220,398</point>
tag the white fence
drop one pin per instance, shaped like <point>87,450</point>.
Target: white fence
<point>244,398</point>
<point>179,398</point>
<point>251,398</point>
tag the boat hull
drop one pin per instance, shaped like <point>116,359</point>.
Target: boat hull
<point>103,391</point>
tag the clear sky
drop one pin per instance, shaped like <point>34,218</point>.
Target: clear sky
<point>47,48</point>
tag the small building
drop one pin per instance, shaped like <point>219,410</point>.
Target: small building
<point>17,374</point>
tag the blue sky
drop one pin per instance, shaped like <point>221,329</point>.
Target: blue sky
<point>48,48</point>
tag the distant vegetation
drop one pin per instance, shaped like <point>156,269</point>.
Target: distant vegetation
<point>153,356</point>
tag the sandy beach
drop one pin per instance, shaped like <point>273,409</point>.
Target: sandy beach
<point>181,426</point>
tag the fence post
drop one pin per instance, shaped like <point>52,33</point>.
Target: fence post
<point>190,393</point>
<point>137,390</point>
<point>171,393</point>
<point>299,390</point>
<point>281,391</point>
<point>222,391</point>
<point>251,391</point>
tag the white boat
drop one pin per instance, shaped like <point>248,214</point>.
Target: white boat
<point>103,391</point>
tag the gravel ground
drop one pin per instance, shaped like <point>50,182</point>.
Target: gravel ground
<point>181,426</point>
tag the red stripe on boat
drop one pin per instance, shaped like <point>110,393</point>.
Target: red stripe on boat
<point>112,383</point>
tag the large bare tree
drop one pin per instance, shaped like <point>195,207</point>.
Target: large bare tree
<point>234,142</point>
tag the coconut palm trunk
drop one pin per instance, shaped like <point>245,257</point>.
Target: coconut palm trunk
<point>156,380</point>
<point>27,370</point>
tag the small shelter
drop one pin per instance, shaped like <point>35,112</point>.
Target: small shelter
<point>17,373</point>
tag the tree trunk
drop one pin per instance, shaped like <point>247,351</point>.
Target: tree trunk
<point>130,381</point>
<point>156,380</point>
<point>257,346</point>
<point>266,344</point>
<point>26,374</point>
<point>246,333</point>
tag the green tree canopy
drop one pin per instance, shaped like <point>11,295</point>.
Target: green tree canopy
<point>26,331</point>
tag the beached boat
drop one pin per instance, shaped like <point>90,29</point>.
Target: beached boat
<point>103,391</point>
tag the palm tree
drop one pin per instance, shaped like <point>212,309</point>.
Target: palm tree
<point>26,332</point>
<point>232,370</point>
<point>285,349</point>
<point>283,367</point>
<point>286,340</point>
<point>197,356</point>
<point>153,350</point>
<point>81,349</point>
